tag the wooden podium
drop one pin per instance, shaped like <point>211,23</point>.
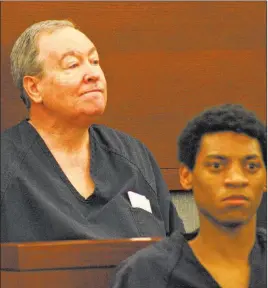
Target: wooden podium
<point>65,264</point>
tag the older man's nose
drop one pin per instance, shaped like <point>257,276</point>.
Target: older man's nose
<point>92,73</point>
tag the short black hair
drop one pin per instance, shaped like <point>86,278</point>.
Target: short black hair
<point>227,117</point>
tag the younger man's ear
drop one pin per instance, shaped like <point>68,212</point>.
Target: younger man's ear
<point>31,86</point>
<point>265,185</point>
<point>186,177</point>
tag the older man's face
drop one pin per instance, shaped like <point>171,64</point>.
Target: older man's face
<point>73,84</point>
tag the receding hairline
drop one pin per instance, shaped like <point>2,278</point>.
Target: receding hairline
<point>70,51</point>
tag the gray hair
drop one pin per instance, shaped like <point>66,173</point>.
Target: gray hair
<point>25,51</point>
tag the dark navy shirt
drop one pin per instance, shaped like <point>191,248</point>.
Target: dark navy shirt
<point>171,263</point>
<point>39,203</point>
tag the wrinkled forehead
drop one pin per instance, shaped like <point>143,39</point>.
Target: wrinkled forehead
<point>53,45</point>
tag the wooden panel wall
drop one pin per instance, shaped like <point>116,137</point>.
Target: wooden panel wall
<point>164,62</point>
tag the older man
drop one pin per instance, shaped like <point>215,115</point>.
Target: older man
<point>64,177</point>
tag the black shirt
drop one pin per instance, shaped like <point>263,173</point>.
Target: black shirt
<point>39,203</point>
<point>171,263</point>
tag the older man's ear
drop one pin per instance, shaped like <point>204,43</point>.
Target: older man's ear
<point>31,86</point>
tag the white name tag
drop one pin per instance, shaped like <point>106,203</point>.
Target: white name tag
<point>139,201</point>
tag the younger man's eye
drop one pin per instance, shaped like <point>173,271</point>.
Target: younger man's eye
<point>214,166</point>
<point>253,166</point>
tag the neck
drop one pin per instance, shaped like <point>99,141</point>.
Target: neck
<point>59,134</point>
<point>230,244</point>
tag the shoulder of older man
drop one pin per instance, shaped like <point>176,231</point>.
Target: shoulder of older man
<point>114,139</point>
<point>129,147</point>
<point>15,143</point>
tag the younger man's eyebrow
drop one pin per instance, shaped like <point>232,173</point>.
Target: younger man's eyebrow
<point>221,157</point>
<point>253,156</point>
<point>216,156</point>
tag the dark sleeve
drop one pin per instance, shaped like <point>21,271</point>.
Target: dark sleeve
<point>262,212</point>
<point>140,271</point>
<point>170,216</point>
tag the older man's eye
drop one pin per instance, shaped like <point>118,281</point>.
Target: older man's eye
<point>71,66</point>
<point>95,61</point>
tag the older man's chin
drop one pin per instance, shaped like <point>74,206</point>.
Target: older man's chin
<point>89,114</point>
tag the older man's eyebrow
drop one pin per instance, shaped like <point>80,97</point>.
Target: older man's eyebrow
<point>77,53</point>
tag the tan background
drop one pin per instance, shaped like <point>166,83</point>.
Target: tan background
<point>164,62</point>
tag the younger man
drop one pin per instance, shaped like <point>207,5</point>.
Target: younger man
<point>223,160</point>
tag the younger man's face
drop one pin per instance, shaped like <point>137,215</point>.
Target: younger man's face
<point>229,177</point>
